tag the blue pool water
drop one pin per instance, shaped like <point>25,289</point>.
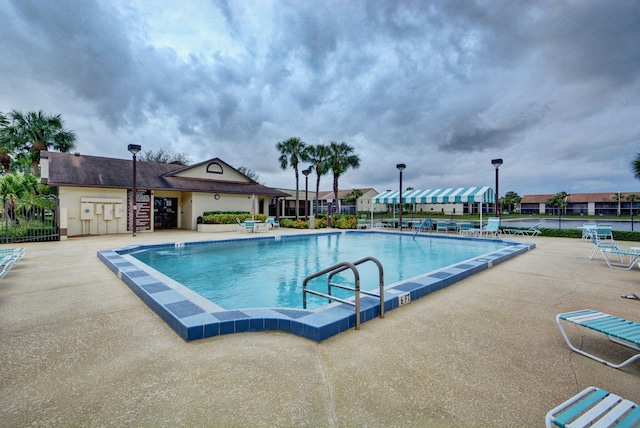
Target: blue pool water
<point>270,273</point>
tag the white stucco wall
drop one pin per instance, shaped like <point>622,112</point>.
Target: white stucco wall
<point>70,198</point>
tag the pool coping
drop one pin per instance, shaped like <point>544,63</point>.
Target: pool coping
<point>187,317</point>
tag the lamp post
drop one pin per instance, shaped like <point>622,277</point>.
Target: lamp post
<point>401,168</point>
<point>306,173</point>
<point>134,149</point>
<point>496,163</point>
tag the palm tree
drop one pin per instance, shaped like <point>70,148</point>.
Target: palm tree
<point>318,155</point>
<point>34,132</point>
<point>618,197</point>
<point>292,151</point>
<point>341,158</point>
<point>635,166</point>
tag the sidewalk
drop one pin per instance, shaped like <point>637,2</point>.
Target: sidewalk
<point>80,349</point>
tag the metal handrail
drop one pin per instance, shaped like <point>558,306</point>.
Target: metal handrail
<point>369,293</point>
<point>344,265</point>
<point>341,267</point>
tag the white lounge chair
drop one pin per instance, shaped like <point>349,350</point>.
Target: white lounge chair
<point>594,407</point>
<point>531,231</point>
<point>617,330</point>
<point>441,226</point>
<point>362,223</point>
<point>601,243</point>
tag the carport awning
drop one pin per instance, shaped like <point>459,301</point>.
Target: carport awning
<point>438,196</point>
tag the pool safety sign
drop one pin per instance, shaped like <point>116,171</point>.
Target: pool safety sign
<point>143,218</point>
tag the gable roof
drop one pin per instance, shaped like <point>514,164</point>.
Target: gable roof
<point>77,170</point>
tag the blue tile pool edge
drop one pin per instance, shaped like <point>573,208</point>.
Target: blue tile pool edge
<point>191,322</point>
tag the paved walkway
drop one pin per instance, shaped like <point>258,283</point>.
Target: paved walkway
<point>78,348</point>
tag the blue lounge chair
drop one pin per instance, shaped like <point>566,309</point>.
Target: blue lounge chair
<point>453,226</point>
<point>617,330</point>
<point>493,227</point>
<point>594,406</point>
<point>362,223</point>
<point>441,226</point>
<point>633,257</point>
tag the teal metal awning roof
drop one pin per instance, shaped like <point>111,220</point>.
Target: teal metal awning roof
<point>450,195</point>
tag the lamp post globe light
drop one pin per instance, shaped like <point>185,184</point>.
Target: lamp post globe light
<point>496,163</point>
<point>306,173</point>
<point>134,149</point>
<point>401,168</point>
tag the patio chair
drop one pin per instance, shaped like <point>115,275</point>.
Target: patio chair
<point>594,406</point>
<point>262,227</point>
<point>465,228</point>
<point>273,222</point>
<point>493,227</point>
<point>441,226</point>
<point>617,330</point>
<point>362,223</point>
<point>604,231</point>
<point>239,225</point>
<point>586,228</point>
<point>249,226</point>
<point>600,243</point>
<point>633,257</point>
<point>532,231</point>
<point>453,226</point>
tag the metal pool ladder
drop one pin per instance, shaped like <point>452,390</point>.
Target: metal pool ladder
<point>341,267</point>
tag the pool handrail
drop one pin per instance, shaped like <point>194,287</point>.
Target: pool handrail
<point>345,265</point>
<point>368,293</point>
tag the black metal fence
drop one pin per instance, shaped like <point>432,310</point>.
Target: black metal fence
<point>32,219</point>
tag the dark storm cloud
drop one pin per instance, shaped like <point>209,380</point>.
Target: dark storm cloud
<point>440,83</point>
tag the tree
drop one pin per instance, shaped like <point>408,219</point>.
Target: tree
<point>249,173</point>
<point>632,198</point>
<point>635,166</point>
<point>35,132</point>
<point>341,158</point>
<point>292,151</point>
<point>618,197</point>
<point>318,155</point>
<point>353,195</point>
<point>511,200</point>
<point>559,201</point>
<point>165,156</point>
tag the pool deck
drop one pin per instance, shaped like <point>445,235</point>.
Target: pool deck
<point>79,348</point>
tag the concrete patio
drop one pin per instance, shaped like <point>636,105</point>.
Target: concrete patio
<point>80,349</point>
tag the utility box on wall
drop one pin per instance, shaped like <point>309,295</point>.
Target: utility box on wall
<point>86,211</point>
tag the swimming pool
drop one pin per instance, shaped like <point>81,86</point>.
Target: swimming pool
<point>193,317</point>
<point>251,274</point>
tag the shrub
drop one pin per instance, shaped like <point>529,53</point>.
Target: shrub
<point>229,217</point>
<point>345,222</point>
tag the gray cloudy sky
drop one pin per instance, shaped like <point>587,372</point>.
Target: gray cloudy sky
<point>552,87</point>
